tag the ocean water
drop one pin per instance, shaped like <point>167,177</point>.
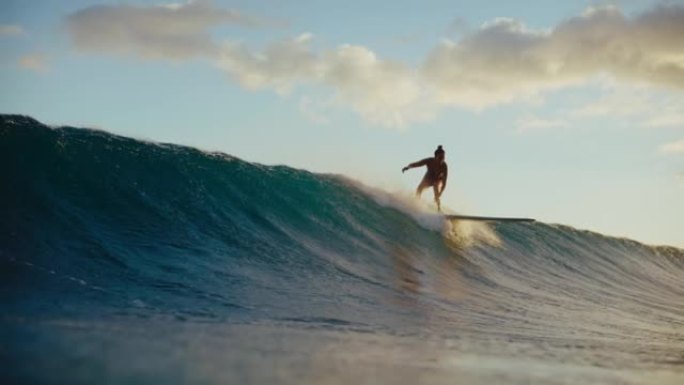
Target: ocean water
<point>124,261</point>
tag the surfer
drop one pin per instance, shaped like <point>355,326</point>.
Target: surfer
<point>436,175</point>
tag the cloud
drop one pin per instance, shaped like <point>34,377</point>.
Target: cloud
<point>672,117</point>
<point>173,31</point>
<point>503,61</point>
<point>383,92</point>
<point>617,101</point>
<point>640,105</point>
<point>676,147</point>
<point>533,123</point>
<point>10,30</point>
<point>34,62</point>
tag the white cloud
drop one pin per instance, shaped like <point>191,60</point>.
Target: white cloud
<point>34,62</point>
<point>676,147</point>
<point>640,105</point>
<point>384,92</point>
<point>504,59</point>
<point>501,62</point>
<point>617,101</point>
<point>10,30</point>
<point>533,123</point>
<point>280,66</point>
<point>173,31</point>
<point>672,117</point>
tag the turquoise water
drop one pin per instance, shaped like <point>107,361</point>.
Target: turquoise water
<point>125,261</point>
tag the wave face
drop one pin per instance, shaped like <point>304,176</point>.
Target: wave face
<point>101,227</point>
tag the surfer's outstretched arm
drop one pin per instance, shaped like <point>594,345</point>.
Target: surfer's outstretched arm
<point>416,164</point>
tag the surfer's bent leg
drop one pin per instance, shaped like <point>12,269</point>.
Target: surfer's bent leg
<point>435,189</point>
<point>425,183</point>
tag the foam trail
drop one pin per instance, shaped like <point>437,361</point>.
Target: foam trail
<point>463,233</point>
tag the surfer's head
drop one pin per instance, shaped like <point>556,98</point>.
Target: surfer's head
<point>439,153</point>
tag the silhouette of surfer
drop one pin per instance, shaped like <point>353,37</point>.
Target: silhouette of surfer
<point>436,175</point>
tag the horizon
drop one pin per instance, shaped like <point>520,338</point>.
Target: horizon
<point>572,114</point>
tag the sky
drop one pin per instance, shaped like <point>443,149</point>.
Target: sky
<point>570,114</point>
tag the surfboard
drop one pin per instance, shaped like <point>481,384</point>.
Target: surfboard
<point>487,219</point>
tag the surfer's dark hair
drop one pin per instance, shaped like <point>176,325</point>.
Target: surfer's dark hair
<point>439,150</point>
